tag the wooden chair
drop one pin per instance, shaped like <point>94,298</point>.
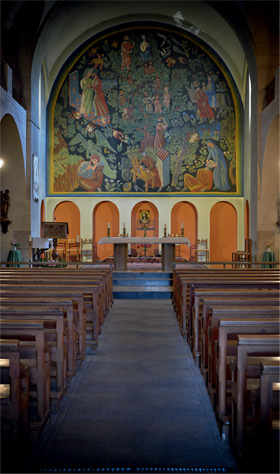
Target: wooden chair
<point>61,248</point>
<point>201,250</point>
<point>73,250</point>
<point>243,255</point>
<point>86,250</point>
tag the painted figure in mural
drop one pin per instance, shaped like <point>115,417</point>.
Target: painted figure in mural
<point>203,180</point>
<point>148,101</point>
<point>90,174</point>
<point>99,103</point>
<point>166,97</point>
<point>161,126</point>
<point>220,171</point>
<point>126,49</point>
<point>201,99</point>
<point>87,94</point>
<point>210,90</point>
<point>158,105</point>
<point>149,164</point>
<point>145,51</point>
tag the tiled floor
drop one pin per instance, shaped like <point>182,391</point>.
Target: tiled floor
<point>138,405</point>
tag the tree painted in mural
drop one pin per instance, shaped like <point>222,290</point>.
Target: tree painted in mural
<point>144,111</point>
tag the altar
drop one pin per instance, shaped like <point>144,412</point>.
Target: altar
<point>121,248</point>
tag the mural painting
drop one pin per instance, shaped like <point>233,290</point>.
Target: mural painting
<point>145,110</point>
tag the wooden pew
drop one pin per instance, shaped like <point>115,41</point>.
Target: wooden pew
<point>37,356</point>
<point>269,383</point>
<point>101,278</point>
<point>259,322</point>
<point>206,301</point>
<point>248,345</point>
<point>90,298</point>
<point>14,390</point>
<point>75,296</point>
<point>192,286</point>
<point>56,337</point>
<point>180,276</point>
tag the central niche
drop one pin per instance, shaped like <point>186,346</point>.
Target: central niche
<point>145,110</point>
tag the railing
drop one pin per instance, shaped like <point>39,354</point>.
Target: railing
<point>16,86</point>
<point>60,264</point>
<point>243,264</point>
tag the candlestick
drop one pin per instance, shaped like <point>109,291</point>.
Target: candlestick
<point>182,232</point>
<point>108,231</point>
<point>164,232</point>
<point>124,231</point>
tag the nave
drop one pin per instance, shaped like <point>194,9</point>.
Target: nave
<point>138,405</point>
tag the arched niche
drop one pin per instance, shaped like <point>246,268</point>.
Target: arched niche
<point>43,215</point>
<point>13,179</point>
<point>184,213</point>
<point>154,216</point>
<point>67,211</point>
<point>104,213</point>
<point>223,232</point>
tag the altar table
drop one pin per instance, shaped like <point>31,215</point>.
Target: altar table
<point>121,245</point>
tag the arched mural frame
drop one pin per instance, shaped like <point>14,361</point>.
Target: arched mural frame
<point>168,165</point>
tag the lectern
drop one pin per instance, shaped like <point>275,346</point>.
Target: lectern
<point>55,230</point>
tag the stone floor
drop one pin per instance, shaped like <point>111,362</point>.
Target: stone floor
<point>138,405</point>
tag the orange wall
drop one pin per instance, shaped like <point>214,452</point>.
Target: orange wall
<point>68,212</point>
<point>104,213</point>
<point>185,213</point>
<point>223,232</point>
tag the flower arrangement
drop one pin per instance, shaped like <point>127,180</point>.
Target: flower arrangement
<point>15,244</point>
<point>268,245</point>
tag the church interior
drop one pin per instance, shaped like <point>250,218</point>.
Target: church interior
<point>139,168</point>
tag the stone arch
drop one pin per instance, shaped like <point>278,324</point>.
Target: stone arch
<point>13,179</point>
<point>268,215</point>
<point>223,231</point>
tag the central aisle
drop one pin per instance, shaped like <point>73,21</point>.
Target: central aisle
<point>139,402</point>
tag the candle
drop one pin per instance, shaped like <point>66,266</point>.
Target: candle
<point>182,225</point>
<point>124,225</point>
<point>165,226</point>
<point>78,238</point>
<point>109,225</point>
<point>30,238</point>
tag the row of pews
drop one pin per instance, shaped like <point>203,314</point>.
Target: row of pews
<point>50,319</point>
<point>230,320</point>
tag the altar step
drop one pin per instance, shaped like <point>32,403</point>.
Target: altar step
<point>142,285</point>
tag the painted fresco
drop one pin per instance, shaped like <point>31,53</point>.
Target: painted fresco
<point>145,110</point>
